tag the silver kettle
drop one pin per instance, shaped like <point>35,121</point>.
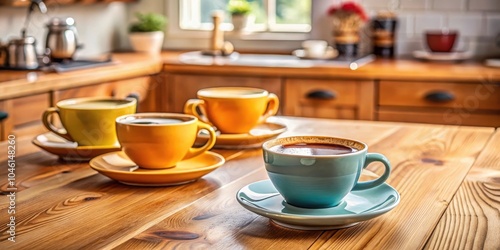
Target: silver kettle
<point>62,39</point>
<point>21,53</point>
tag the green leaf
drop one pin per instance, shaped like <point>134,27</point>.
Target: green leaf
<point>148,22</point>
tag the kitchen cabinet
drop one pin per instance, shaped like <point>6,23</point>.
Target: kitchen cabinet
<point>142,87</point>
<point>181,87</point>
<point>5,122</point>
<point>342,99</point>
<point>456,103</point>
<point>329,98</point>
<point>24,114</point>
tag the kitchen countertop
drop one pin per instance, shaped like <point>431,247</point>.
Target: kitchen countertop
<point>388,69</point>
<point>129,65</point>
<point>447,177</point>
<point>124,66</point>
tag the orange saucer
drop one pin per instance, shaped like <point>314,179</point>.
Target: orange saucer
<point>254,139</point>
<point>119,167</point>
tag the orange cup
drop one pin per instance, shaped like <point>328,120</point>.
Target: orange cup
<point>233,110</point>
<point>161,140</point>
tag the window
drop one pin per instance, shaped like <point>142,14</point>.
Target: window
<point>270,15</point>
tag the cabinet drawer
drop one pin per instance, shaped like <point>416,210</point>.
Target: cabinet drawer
<point>468,96</point>
<point>143,87</point>
<point>29,109</point>
<point>449,117</point>
<point>185,87</point>
<point>328,98</point>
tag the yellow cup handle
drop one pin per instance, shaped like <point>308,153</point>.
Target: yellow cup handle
<point>190,109</point>
<point>210,143</point>
<point>273,105</point>
<point>51,127</point>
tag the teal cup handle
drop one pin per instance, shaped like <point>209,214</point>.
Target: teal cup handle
<point>372,157</point>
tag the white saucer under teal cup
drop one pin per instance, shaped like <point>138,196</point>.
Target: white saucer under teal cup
<point>320,181</point>
<point>263,199</point>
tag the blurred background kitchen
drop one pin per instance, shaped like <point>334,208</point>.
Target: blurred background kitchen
<point>103,25</point>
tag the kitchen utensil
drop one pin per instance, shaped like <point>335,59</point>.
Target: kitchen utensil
<point>89,121</point>
<point>161,140</point>
<point>223,106</point>
<point>62,38</point>
<point>384,29</point>
<point>21,53</point>
<point>441,40</point>
<point>319,171</point>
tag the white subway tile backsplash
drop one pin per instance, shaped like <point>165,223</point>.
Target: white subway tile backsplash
<point>11,16</point>
<point>428,21</point>
<point>406,25</point>
<point>4,24</point>
<point>492,25</point>
<point>406,46</point>
<point>484,47</point>
<point>415,4</point>
<point>447,5</point>
<point>461,44</point>
<point>468,24</point>
<point>380,4</point>
<point>484,5</point>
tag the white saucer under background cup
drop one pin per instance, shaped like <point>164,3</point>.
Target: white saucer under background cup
<point>314,48</point>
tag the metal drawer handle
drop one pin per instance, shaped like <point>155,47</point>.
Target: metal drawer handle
<point>321,95</point>
<point>3,115</point>
<point>439,96</point>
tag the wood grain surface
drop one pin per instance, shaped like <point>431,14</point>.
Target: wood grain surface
<point>67,205</point>
<point>472,220</point>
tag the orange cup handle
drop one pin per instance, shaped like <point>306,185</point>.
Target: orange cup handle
<point>51,127</point>
<point>273,105</point>
<point>190,109</point>
<point>208,145</point>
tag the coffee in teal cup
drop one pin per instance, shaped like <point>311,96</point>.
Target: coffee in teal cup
<point>319,171</point>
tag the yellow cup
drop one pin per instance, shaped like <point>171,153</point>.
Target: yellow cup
<point>161,140</point>
<point>233,110</point>
<point>89,121</point>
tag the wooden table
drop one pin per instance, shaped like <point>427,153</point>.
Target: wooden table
<point>448,178</point>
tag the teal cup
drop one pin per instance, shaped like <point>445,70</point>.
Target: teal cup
<point>319,171</point>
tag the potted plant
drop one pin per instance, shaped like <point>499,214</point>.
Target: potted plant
<point>240,14</point>
<point>146,34</point>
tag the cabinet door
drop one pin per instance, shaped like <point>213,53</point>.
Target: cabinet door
<point>184,87</point>
<point>432,95</point>
<point>143,87</point>
<point>29,109</point>
<point>24,115</point>
<point>329,98</point>
<point>454,103</point>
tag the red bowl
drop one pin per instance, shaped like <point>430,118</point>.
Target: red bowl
<point>441,41</point>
